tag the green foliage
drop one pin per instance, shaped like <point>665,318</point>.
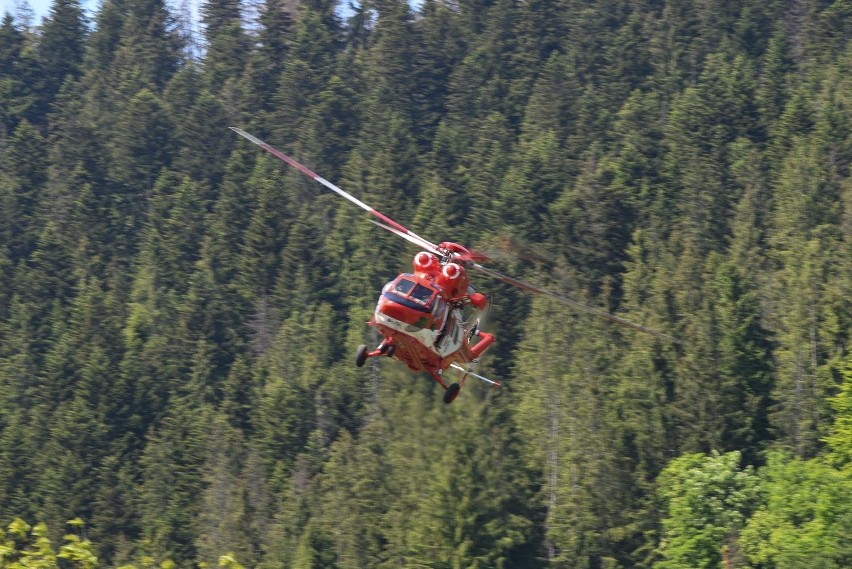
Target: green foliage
<point>707,500</point>
<point>178,310</point>
<point>840,437</point>
<point>24,546</point>
<point>18,66</point>
<point>805,518</point>
<point>61,47</point>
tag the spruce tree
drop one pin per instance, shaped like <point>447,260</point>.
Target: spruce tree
<point>23,173</point>
<point>18,71</point>
<point>61,48</point>
<point>226,42</point>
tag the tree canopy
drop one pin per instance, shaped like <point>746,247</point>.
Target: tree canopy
<point>178,311</point>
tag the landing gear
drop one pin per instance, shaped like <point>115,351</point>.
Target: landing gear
<point>361,355</point>
<point>451,393</point>
<point>386,349</point>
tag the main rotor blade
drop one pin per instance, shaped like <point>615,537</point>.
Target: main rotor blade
<point>403,232</point>
<point>420,242</point>
<point>565,300</point>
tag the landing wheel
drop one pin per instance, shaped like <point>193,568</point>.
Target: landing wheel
<point>390,351</point>
<point>451,393</point>
<point>361,355</point>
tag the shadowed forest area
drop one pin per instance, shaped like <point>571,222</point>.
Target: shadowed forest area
<point>179,311</point>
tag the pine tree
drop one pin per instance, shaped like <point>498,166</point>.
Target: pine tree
<point>492,145</point>
<point>170,240</point>
<point>628,56</point>
<point>799,411</point>
<point>443,45</point>
<point>172,483</point>
<point>276,25</point>
<point>309,65</point>
<point>482,83</point>
<point>141,149</point>
<point>804,246</point>
<point>393,69</point>
<point>745,364</point>
<point>103,42</point>
<point>142,146</point>
<point>198,116</point>
<point>60,48</point>
<point>570,445</point>
<point>18,68</point>
<point>595,223</point>
<point>331,127</point>
<point>148,48</point>
<point>234,501</point>
<point>231,214</point>
<point>545,29</point>
<point>773,88</point>
<point>23,172</point>
<point>74,450</point>
<point>677,47</point>
<point>212,326</point>
<point>839,437</point>
<point>535,178</point>
<point>553,101</point>
<point>266,233</point>
<point>698,135</point>
<point>46,282</point>
<point>226,43</point>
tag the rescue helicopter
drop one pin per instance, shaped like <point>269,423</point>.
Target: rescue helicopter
<point>429,318</point>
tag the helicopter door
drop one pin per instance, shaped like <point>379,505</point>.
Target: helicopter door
<point>439,314</point>
<point>451,341</point>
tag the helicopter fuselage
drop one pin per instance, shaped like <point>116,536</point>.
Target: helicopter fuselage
<point>420,316</point>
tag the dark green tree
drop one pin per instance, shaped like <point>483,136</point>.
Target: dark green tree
<point>226,42</point>
<point>142,147</point>
<point>202,145</point>
<point>18,71</point>
<point>23,173</point>
<point>309,65</point>
<point>60,49</point>
<point>274,38</point>
<point>745,363</point>
<point>149,47</point>
<point>482,83</point>
<point>170,496</point>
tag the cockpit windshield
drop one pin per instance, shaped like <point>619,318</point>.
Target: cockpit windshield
<point>403,287</point>
<point>422,294</point>
<point>414,291</point>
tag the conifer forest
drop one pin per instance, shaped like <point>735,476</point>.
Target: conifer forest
<point>179,311</point>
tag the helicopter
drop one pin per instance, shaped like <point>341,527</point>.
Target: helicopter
<point>429,318</point>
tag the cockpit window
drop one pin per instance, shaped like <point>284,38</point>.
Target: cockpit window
<point>409,293</point>
<point>404,286</point>
<point>422,294</point>
<point>414,291</point>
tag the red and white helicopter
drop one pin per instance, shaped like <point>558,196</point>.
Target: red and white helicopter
<point>429,318</point>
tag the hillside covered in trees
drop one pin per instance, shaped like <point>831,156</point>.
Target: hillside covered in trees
<point>179,311</point>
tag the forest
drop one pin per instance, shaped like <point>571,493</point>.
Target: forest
<point>179,311</point>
